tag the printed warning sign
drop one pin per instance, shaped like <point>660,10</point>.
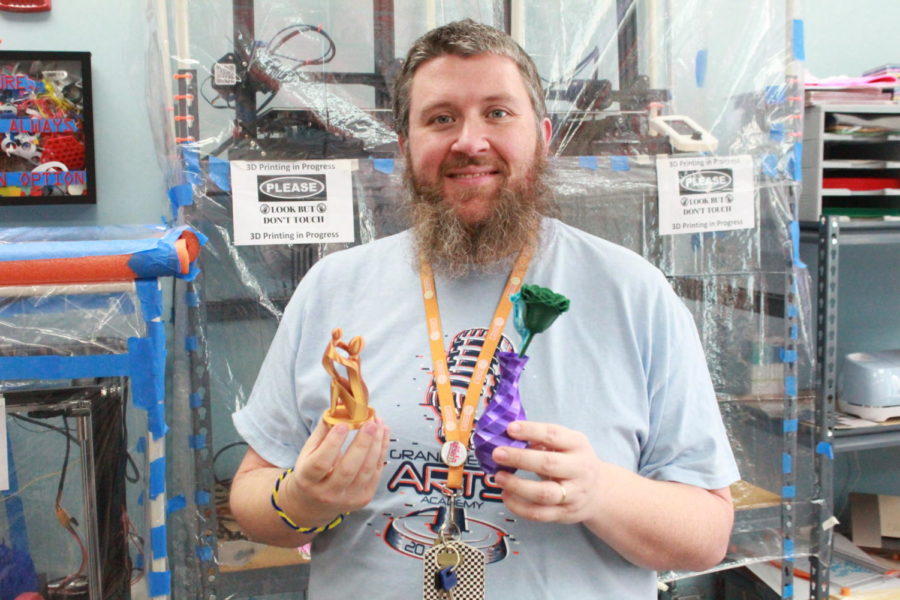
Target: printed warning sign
<point>302,202</point>
<point>712,193</point>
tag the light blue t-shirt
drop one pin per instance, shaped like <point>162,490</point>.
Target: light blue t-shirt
<point>624,366</point>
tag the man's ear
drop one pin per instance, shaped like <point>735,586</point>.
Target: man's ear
<point>547,133</point>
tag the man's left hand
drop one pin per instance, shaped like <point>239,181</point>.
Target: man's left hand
<point>566,464</point>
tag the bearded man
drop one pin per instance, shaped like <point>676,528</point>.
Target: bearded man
<point>622,467</point>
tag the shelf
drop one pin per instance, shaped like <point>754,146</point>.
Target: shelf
<point>866,438</point>
<point>858,164</point>
<point>845,192</point>
<point>860,138</point>
<point>856,231</point>
<point>871,107</point>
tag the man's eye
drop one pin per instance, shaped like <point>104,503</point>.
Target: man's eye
<point>498,113</point>
<point>442,119</point>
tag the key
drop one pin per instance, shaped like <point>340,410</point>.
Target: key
<point>447,580</point>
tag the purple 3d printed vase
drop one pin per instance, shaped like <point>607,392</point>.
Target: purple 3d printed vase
<point>504,408</point>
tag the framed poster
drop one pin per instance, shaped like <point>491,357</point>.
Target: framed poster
<point>46,128</point>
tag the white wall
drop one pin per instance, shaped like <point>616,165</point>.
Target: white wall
<point>130,186</point>
<point>847,37</point>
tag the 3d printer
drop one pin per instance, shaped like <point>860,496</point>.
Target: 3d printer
<point>595,118</point>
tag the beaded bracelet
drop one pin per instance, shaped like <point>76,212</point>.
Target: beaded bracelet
<point>337,520</point>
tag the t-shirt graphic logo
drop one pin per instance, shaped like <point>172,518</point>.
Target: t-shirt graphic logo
<point>413,533</point>
<point>461,359</point>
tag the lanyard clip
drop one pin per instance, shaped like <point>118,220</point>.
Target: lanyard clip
<point>449,529</point>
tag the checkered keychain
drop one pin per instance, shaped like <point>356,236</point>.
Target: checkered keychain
<point>453,571</point>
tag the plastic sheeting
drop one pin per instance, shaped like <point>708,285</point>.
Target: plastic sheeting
<point>37,255</point>
<point>80,343</point>
<point>276,80</point>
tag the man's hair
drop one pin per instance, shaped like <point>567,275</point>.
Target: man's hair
<point>463,38</point>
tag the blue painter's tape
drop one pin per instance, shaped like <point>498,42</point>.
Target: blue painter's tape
<point>793,332</point>
<point>787,463</point>
<point>139,562</point>
<point>143,374</point>
<point>141,445</point>
<point>383,165</point>
<point>158,541</point>
<point>175,503</point>
<point>776,132</point>
<point>192,272</point>
<point>180,195</point>
<point>149,294</point>
<point>775,94</point>
<point>204,553</point>
<point>788,591</point>
<point>196,400</point>
<point>156,331</point>
<point>64,367</point>
<point>789,548</point>
<point>191,161</point>
<point>619,163</point>
<point>157,483</point>
<point>192,299</point>
<point>825,448</point>
<point>790,385</point>
<point>792,311</point>
<point>588,162</point>
<point>15,510</point>
<point>156,420</point>
<point>197,442</point>
<point>160,583</point>
<point>700,62</point>
<point>796,162</point>
<point>787,356</point>
<point>201,498</point>
<point>788,491</point>
<point>789,425</point>
<point>160,258</point>
<point>73,244</point>
<point>190,343</point>
<point>770,165</point>
<point>797,41</point>
<point>220,173</point>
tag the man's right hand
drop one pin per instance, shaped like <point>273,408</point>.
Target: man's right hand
<point>326,481</point>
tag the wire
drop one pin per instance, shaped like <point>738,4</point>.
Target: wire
<point>59,430</point>
<point>66,520</point>
<point>211,101</point>
<point>227,527</point>
<point>112,467</point>
<point>590,58</point>
<point>135,540</point>
<point>292,31</point>
<point>218,454</point>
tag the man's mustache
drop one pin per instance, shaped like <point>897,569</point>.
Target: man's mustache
<point>461,162</point>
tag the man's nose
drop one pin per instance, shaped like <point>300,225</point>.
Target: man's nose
<point>472,138</point>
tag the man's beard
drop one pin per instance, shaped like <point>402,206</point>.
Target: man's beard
<point>455,248</point>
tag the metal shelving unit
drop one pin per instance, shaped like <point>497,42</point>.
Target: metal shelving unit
<point>832,233</point>
<point>829,235</point>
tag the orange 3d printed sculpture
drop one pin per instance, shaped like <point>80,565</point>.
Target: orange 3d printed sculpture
<point>349,396</point>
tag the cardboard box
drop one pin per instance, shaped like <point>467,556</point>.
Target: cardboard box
<point>874,517</point>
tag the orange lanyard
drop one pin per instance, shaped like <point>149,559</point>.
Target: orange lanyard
<point>458,428</point>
